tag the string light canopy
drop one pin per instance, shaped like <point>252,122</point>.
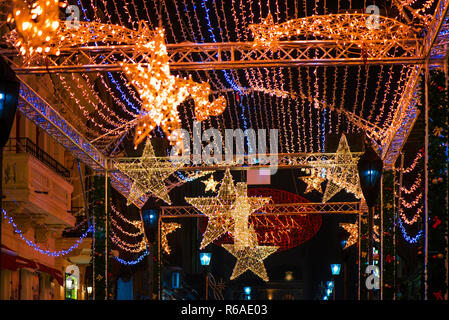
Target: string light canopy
<point>276,90</point>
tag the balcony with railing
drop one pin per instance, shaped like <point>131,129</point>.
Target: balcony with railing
<point>35,184</point>
<point>25,145</point>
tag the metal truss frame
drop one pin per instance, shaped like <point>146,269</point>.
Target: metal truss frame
<point>37,110</point>
<point>245,162</point>
<point>220,56</point>
<point>304,208</point>
<point>434,47</point>
<point>188,56</point>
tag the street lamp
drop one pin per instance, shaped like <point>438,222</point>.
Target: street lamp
<point>335,268</point>
<point>205,258</point>
<point>247,291</point>
<point>370,167</point>
<point>69,283</point>
<point>89,292</point>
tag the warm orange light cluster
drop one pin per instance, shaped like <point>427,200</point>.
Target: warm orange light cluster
<point>36,25</point>
<point>345,28</point>
<point>162,93</point>
<point>39,31</point>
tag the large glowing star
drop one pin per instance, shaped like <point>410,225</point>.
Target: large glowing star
<point>217,210</point>
<point>344,176</point>
<point>162,93</point>
<point>243,207</point>
<point>250,258</point>
<point>148,174</point>
<point>222,209</point>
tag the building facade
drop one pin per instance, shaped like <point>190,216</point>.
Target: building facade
<point>42,197</point>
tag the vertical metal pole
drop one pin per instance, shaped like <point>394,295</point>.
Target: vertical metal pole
<point>359,249</point>
<point>159,223</point>
<point>106,254</point>
<point>93,258</point>
<point>370,242</point>
<point>381,251</point>
<point>395,220</point>
<point>1,211</point>
<point>426,177</point>
<point>207,285</point>
<point>446,71</point>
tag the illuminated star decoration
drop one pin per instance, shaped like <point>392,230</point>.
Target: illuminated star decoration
<point>36,26</point>
<point>313,183</point>
<point>166,229</point>
<point>244,206</point>
<point>343,176</point>
<point>217,210</point>
<point>211,184</point>
<point>249,255</point>
<point>220,209</point>
<point>265,33</point>
<point>250,258</point>
<point>162,93</point>
<point>148,175</point>
<point>353,230</point>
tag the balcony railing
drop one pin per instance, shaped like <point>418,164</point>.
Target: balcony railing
<point>25,145</point>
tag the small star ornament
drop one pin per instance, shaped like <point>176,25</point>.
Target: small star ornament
<point>313,183</point>
<point>211,184</point>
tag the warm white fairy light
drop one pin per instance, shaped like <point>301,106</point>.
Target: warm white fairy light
<point>166,229</point>
<point>242,208</point>
<point>36,25</point>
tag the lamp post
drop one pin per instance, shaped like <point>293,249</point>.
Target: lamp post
<point>335,269</point>
<point>205,258</point>
<point>89,292</point>
<point>370,167</point>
